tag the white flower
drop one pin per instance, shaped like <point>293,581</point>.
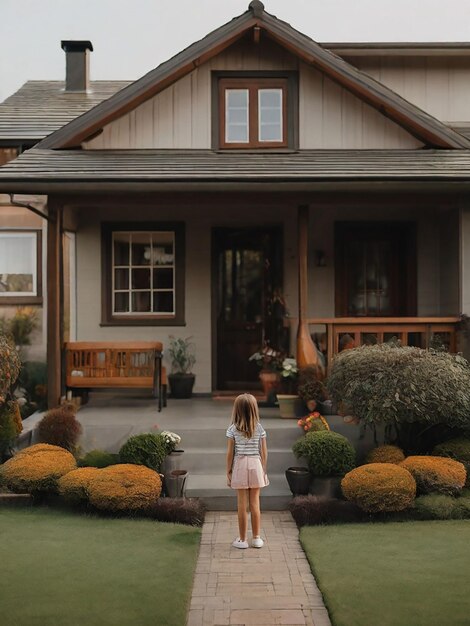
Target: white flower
<point>170,437</point>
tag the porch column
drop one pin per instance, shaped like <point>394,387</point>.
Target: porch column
<point>306,352</point>
<point>54,304</point>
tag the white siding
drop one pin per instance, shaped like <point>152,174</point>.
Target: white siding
<point>180,116</point>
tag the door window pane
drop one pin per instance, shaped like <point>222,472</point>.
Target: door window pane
<point>236,116</point>
<point>270,114</point>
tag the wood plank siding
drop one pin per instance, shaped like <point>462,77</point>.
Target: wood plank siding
<point>180,116</point>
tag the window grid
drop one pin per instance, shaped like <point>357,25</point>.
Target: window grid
<point>264,108</point>
<point>152,290</point>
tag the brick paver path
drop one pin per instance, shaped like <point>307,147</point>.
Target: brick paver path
<point>271,585</point>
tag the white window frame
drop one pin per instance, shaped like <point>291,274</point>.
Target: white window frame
<point>33,236</point>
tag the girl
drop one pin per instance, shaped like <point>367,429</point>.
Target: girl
<point>247,455</point>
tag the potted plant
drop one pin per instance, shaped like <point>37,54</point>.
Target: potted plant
<point>329,457</point>
<point>182,357</point>
<point>312,391</point>
<point>288,401</point>
<point>269,361</point>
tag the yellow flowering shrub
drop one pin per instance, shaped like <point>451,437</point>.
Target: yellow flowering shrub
<point>386,454</point>
<point>124,487</point>
<point>435,473</point>
<point>37,468</point>
<point>74,485</point>
<point>380,487</point>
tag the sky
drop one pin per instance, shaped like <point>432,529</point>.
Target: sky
<point>131,37</point>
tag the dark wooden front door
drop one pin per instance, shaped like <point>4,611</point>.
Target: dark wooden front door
<point>247,273</point>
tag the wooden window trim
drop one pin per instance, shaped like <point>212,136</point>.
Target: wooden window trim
<point>107,317</point>
<point>253,81</point>
<point>29,299</point>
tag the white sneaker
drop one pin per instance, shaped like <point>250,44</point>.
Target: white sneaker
<point>238,543</point>
<point>257,542</point>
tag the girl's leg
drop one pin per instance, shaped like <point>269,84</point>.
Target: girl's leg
<point>255,511</point>
<point>242,516</point>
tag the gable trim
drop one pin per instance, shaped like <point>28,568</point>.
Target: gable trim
<point>417,122</point>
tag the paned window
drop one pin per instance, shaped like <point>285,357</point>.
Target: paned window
<point>144,273</point>
<point>253,112</point>
<point>20,266</point>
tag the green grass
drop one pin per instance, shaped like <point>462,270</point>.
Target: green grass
<point>394,574</point>
<point>64,569</point>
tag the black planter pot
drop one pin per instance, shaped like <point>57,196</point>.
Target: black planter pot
<point>299,480</point>
<point>181,385</point>
<point>326,487</point>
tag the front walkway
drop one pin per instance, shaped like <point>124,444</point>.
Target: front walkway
<point>272,585</point>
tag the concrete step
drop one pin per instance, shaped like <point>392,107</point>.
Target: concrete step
<point>215,437</point>
<point>212,461</point>
<point>213,490</point>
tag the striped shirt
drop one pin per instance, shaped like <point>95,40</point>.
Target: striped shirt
<point>244,446</point>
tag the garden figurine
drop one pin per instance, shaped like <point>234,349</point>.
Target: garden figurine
<point>247,456</point>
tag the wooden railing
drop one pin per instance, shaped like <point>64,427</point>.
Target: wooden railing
<point>416,331</point>
<point>96,364</point>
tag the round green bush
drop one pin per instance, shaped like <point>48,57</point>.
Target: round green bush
<point>327,453</point>
<point>379,487</point>
<point>457,449</point>
<point>98,458</point>
<point>401,385</point>
<point>147,449</point>
<point>386,454</point>
<point>436,506</point>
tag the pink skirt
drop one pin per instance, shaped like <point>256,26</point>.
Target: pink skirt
<point>247,473</point>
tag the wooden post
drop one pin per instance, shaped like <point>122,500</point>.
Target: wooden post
<point>306,351</point>
<point>54,305</point>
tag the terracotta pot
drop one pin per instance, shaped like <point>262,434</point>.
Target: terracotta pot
<point>288,405</point>
<point>270,382</point>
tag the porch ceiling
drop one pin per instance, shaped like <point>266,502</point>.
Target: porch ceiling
<point>123,166</point>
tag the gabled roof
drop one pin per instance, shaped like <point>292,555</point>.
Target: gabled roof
<point>40,107</point>
<point>416,121</point>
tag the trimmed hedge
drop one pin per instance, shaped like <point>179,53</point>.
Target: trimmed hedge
<point>380,487</point>
<point>73,487</point>
<point>327,453</point>
<point>190,511</point>
<point>457,449</point>
<point>441,506</point>
<point>386,454</point>
<point>436,474</point>
<point>98,458</point>
<point>37,469</point>
<point>124,487</point>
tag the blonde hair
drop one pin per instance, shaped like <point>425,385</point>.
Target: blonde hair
<point>245,415</point>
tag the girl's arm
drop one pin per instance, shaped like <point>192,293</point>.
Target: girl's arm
<point>230,451</point>
<point>264,453</point>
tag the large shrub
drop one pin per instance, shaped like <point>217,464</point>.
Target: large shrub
<point>436,474</point>
<point>386,454</point>
<point>98,458</point>
<point>73,486</point>
<point>457,449</point>
<point>436,506</point>
<point>36,469</point>
<point>60,427</point>
<point>11,426</point>
<point>327,453</point>
<point>147,449</point>
<point>124,487</point>
<point>379,487</point>
<point>403,387</point>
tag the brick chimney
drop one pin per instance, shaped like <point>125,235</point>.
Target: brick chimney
<point>77,64</point>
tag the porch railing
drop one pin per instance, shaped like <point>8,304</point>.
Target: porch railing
<point>414,331</point>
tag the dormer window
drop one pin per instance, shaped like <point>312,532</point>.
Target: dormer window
<point>256,111</point>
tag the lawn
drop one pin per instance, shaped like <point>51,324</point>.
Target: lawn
<point>393,574</point>
<point>65,569</point>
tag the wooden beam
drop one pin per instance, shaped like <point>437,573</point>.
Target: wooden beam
<point>54,304</point>
<point>307,353</point>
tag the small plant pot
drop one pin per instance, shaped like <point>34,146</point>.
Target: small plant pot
<point>326,487</point>
<point>299,479</point>
<point>289,405</point>
<point>175,483</point>
<point>181,385</point>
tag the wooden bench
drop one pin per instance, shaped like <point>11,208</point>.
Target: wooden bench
<point>125,364</point>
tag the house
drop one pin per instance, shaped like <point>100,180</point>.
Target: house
<point>258,170</point>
